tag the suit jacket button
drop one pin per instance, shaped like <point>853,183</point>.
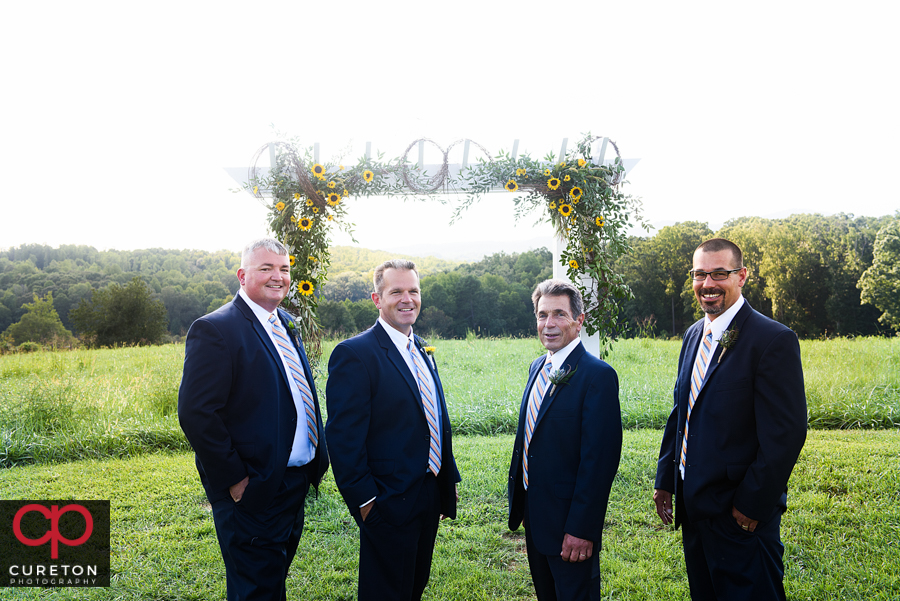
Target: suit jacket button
<point>427,437</point>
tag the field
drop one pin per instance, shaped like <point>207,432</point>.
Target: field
<point>102,424</point>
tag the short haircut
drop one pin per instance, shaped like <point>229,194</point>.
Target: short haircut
<point>559,288</point>
<point>270,244</point>
<point>715,245</point>
<point>378,278</point>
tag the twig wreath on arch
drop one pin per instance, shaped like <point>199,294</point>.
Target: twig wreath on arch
<point>582,200</point>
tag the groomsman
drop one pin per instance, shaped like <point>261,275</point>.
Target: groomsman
<point>566,453</point>
<point>735,432</point>
<point>392,452</point>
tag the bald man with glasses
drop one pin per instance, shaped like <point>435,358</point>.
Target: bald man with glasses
<point>734,434</point>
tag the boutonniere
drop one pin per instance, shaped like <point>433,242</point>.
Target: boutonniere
<point>295,333</point>
<point>429,350</point>
<point>558,377</point>
<point>728,340</point>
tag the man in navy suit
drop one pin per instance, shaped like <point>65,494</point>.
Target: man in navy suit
<point>391,448</point>
<point>248,406</point>
<point>735,432</point>
<point>566,453</point>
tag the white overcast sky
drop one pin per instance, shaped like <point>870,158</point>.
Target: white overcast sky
<point>117,118</point>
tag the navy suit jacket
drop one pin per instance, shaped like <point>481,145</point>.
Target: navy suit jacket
<point>377,426</point>
<point>573,455</point>
<point>235,405</point>
<point>748,424</point>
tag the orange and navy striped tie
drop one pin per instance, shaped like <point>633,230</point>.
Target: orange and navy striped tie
<point>697,375</point>
<point>429,403</point>
<point>293,362</point>
<point>531,413</point>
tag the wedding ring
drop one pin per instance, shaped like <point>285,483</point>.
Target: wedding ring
<point>745,527</point>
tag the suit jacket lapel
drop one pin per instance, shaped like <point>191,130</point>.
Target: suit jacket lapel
<point>570,364</point>
<point>737,322</point>
<point>399,362</point>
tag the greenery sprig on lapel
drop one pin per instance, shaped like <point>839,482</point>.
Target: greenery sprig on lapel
<point>429,350</point>
<point>294,331</point>
<point>728,340</point>
<point>559,377</point>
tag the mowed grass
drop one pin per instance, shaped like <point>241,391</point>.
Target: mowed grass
<point>841,531</point>
<point>62,406</point>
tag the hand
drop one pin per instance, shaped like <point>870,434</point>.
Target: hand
<point>237,490</point>
<point>743,521</point>
<point>365,509</point>
<point>663,500</point>
<point>576,549</point>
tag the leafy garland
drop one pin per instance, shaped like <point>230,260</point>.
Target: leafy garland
<point>582,200</point>
<point>588,210</point>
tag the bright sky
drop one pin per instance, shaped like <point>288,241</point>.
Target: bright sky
<point>119,117</point>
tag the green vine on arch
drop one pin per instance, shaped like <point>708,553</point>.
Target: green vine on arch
<point>582,200</point>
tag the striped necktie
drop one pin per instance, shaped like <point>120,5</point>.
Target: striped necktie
<point>697,375</point>
<point>292,360</point>
<point>430,405</point>
<point>534,406</point>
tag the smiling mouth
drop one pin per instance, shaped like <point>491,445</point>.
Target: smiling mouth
<point>710,296</point>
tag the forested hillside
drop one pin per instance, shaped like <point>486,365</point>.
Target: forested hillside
<point>810,272</point>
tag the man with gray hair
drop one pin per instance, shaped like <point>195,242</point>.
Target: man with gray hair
<point>391,449</point>
<point>566,453</point>
<point>248,406</point>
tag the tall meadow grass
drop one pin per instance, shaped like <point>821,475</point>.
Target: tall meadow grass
<point>65,405</point>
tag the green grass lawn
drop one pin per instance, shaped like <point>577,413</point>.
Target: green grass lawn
<point>61,406</point>
<point>841,531</point>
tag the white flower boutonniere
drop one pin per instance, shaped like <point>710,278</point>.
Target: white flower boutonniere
<point>558,377</point>
<point>728,340</point>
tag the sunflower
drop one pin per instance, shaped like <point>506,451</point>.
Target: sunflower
<point>333,199</point>
<point>553,183</point>
<point>520,172</point>
<point>319,171</point>
<point>566,210</point>
<point>331,184</point>
<point>296,196</point>
<point>331,218</point>
<point>547,172</point>
<point>512,186</point>
<point>313,259</point>
<point>563,164</point>
<point>582,162</point>
<point>315,209</point>
<point>256,189</point>
<point>552,205</point>
<point>346,194</point>
<point>573,264</point>
<point>279,206</point>
<point>309,202</point>
<point>293,219</point>
<point>599,221</point>
<point>305,288</point>
<point>341,167</point>
<point>575,193</point>
<point>305,223</point>
<point>292,259</point>
<point>368,175</point>
<point>566,178</point>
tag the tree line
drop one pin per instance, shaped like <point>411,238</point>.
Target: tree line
<point>821,276</point>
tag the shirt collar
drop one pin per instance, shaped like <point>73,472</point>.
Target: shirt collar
<point>397,337</point>
<point>558,359</point>
<point>261,314</point>
<point>721,323</point>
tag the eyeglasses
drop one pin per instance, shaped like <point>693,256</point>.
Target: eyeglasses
<point>718,275</point>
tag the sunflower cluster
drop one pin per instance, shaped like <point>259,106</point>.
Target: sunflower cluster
<point>588,210</point>
<point>305,200</point>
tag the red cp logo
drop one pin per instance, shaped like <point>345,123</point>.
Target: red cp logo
<point>53,514</point>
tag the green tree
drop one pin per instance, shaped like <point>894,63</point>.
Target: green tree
<point>880,283</point>
<point>121,315</point>
<point>40,324</point>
